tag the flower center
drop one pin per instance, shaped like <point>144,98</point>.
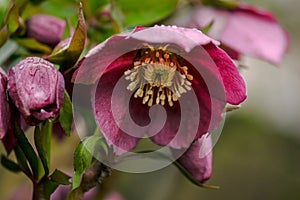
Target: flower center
<point>158,76</point>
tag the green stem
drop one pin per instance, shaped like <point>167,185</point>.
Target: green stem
<point>93,176</point>
<point>38,192</point>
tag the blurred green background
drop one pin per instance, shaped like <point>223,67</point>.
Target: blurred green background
<point>258,153</point>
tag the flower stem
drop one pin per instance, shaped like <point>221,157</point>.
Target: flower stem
<point>93,176</point>
<point>38,192</point>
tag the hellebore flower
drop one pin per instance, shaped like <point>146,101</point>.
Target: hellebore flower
<point>159,65</point>
<point>45,29</point>
<point>36,88</point>
<point>5,113</point>
<point>243,30</point>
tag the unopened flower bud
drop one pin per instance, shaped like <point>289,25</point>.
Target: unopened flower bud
<point>45,29</point>
<point>5,115</point>
<point>197,160</point>
<point>36,88</point>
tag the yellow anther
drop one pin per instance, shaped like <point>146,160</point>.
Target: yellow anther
<point>157,78</point>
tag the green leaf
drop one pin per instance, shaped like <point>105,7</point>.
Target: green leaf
<point>60,177</point>
<point>66,114</point>
<point>228,4</point>
<point>48,186</point>
<point>22,161</point>
<point>82,158</point>
<point>36,1</point>
<point>118,18</point>
<point>67,55</point>
<point>42,140</point>
<point>61,9</point>
<point>206,29</point>
<point>7,51</point>
<point>9,164</point>
<point>12,19</point>
<point>3,8</point>
<point>76,179</point>
<point>90,7</point>
<point>3,35</point>
<point>28,152</point>
<point>146,12</point>
<point>32,44</point>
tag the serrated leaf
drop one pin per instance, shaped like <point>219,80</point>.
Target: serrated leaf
<point>33,45</point>
<point>82,158</point>
<point>9,164</point>
<point>66,114</point>
<point>28,152</point>
<point>42,140</point>
<point>68,55</point>
<point>60,177</point>
<point>146,12</point>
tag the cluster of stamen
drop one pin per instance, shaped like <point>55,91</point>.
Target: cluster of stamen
<point>158,77</point>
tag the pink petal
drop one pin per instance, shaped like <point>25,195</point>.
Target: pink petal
<point>204,105</point>
<point>256,33</point>
<point>36,88</point>
<point>181,126</point>
<point>187,39</point>
<point>197,160</point>
<point>102,106</point>
<point>235,87</point>
<point>5,112</point>
<point>9,141</point>
<point>113,196</point>
<point>247,30</point>
<point>208,86</point>
<point>93,65</point>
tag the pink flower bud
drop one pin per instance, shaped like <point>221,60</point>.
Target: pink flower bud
<point>36,88</point>
<point>197,160</point>
<point>45,29</point>
<point>5,119</point>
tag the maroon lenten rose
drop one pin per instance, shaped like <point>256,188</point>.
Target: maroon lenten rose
<point>36,88</point>
<point>160,65</point>
<point>244,30</point>
<point>46,29</point>
<point>5,113</point>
